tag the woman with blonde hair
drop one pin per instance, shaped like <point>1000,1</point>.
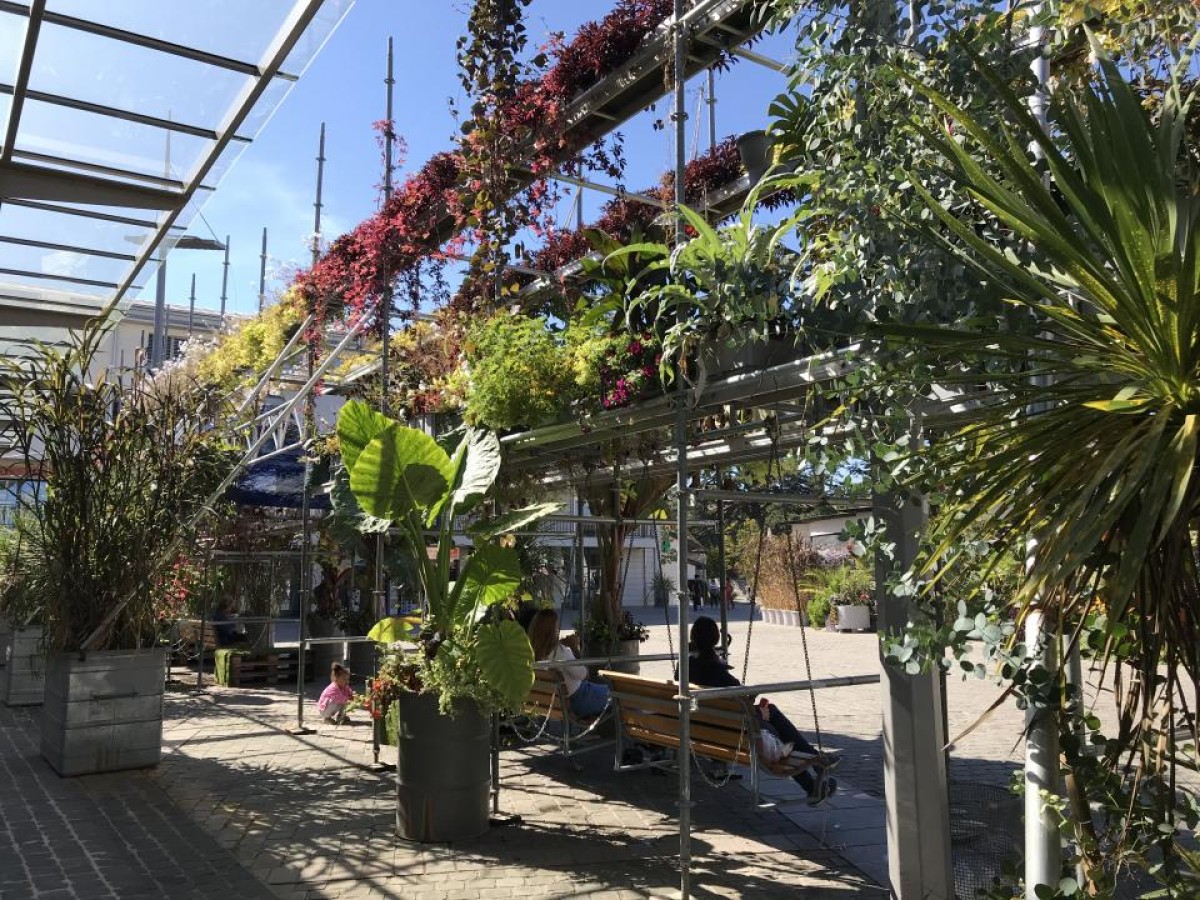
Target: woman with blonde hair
<point>587,698</point>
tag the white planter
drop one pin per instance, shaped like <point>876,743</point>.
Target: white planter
<point>103,713</point>
<point>854,618</point>
<point>24,671</point>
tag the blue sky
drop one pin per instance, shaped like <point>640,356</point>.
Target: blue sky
<point>273,181</point>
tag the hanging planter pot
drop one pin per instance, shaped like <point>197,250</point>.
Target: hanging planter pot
<point>442,776</point>
<point>754,147</point>
<point>104,712</point>
<point>24,673</point>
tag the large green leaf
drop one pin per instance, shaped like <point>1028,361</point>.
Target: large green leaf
<point>357,426</point>
<point>348,519</point>
<point>399,472</point>
<point>506,660</point>
<point>480,468</point>
<point>395,628</point>
<point>491,575</point>
<point>512,521</point>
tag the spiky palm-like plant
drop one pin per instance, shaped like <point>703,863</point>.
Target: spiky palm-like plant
<point>1086,434</point>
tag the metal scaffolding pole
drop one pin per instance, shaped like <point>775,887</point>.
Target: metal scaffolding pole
<point>262,273</point>
<point>192,307</point>
<point>310,434</point>
<point>679,115</point>
<point>224,279</point>
<point>379,593</point>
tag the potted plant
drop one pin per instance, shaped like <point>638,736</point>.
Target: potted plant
<point>624,638</point>
<point>849,589</point>
<point>472,660</point>
<point>123,469</point>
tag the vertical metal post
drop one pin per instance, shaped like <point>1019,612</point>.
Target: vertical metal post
<point>160,282</point>
<point>1043,852</point>
<point>159,335</point>
<point>310,433</point>
<point>200,653</point>
<point>581,621</point>
<point>723,573</point>
<point>712,109</point>
<point>262,273</point>
<point>224,279</point>
<point>192,306</point>
<point>681,483</point>
<point>385,336</point>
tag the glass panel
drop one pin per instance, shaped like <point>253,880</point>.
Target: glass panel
<point>232,28</point>
<point>62,262</point>
<point>12,40</point>
<point>63,228</point>
<point>318,32</point>
<point>93,138</point>
<point>112,73</point>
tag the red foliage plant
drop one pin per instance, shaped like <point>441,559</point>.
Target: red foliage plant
<point>425,210</point>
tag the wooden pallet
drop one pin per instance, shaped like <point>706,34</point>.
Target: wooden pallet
<point>243,669</point>
<point>289,664</point>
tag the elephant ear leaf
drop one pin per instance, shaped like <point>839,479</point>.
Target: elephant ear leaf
<point>492,575</point>
<point>400,471</point>
<point>512,521</point>
<point>357,426</point>
<point>506,660</point>
<point>480,468</point>
<point>395,628</point>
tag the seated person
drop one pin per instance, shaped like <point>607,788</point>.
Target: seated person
<point>707,669</point>
<point>225,626</point>
<point>587,698</point>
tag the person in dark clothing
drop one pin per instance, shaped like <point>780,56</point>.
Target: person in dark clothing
<point>224,623</point>
<point>707,669</point>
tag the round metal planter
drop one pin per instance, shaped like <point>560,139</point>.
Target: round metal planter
<point>442,778</point>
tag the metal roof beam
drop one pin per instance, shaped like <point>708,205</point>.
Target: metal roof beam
<point>142,40</point>
<point>122,114</point>
<point>80,165</point>
<point>66,248</point>
<point>59,209</point>
<point>31,183</point>
<point>25,273</point>
<point>36,12</point>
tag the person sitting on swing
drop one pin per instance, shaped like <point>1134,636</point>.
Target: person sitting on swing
<point>587,698</point>
<point>707,669</point>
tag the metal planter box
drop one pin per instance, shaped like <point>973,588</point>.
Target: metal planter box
<point>24,671</point>
<point>103,713</point>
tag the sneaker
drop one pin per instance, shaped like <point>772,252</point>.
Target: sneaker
<point>826,788</point>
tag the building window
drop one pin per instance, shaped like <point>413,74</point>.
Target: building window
<point>173,346</point>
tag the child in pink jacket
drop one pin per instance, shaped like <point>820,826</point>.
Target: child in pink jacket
<point>333,700</point>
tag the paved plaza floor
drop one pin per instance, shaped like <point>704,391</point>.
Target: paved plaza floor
<point>240,807</point>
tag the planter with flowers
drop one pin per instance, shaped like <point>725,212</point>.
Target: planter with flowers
<point>471,660</point>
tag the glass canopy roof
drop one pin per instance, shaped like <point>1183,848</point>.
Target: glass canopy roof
<point>120,118</point>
